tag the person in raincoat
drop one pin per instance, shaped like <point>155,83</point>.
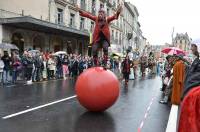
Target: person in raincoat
<point>126,65</point>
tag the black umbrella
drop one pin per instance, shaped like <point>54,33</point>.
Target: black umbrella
<point>8,46</point>
<point>34,52</point>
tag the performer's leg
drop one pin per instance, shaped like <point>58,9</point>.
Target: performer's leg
<point>95,54</point>
<point>105,52</point>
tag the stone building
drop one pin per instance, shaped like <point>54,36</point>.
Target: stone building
<point>55,24</point>
<point>182,41</point>
<point>45,26</point>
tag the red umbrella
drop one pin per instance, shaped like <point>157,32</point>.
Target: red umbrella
<point>173,50</point>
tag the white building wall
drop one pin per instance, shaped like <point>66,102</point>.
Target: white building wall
<point>35,8</point>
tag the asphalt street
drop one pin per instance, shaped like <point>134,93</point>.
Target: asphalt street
<point>137,108</point>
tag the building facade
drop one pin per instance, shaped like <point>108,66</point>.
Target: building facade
<point>44,26</point>
<point>56,25</point>
<point>182,41</point>
<point>133,38</point>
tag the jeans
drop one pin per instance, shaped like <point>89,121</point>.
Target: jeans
<point>14,76</point>
<point>1,77</point>
<point>59,72</point>
<point>37,74</point>
<point>29,73</point>
<point>6,76</point>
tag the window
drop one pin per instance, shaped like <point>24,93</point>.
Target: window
<point>72,17</point>
<point>108,12</point>
<point>82,23</point>
<point>117,36</point>
<point>83,6</point>
<point>120,38</point>
<point>101,5</point>
<point>112,34</point>
<point>93,7</point>
<point>92,26</point>
<point>60,16</point>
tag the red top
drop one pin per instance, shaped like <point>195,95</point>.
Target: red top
<point>105,30</point>
<point>190,112</point>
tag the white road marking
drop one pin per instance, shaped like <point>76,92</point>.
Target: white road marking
<point>172,122</point>
<point>141,125</point>
<point>148,108</point>
<point>145,116</point>
<point>38,107</point>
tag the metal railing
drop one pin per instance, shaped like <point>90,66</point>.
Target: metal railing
<point>74,2</point>
<point>72,26</point>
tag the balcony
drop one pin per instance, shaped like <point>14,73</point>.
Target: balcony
<point>73,2</point>
<point>62,2</point>
<point>59,22</point>
<point>84,30</point>
<point>72,26</point>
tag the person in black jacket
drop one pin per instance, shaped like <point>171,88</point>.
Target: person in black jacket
<point>59,70</point>
<point>7,66</point>
<point>193,74</point>
<point>28,64</point>
<point>74,67</point>
<point>81,65</point>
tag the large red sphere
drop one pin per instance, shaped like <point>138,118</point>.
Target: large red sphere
<point>97,89</point>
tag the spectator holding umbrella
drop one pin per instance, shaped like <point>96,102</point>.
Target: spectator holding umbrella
<point>7,62</point>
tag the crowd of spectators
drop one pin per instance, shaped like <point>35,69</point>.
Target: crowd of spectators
<point>35,66</point>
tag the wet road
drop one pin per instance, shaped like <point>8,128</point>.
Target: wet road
<point>136,108</point>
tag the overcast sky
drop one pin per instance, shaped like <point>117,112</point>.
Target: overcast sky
<point>158,17</point>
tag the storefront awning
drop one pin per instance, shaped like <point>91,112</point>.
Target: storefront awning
<point>34,24</point>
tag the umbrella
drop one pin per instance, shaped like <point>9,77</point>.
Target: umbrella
<point>8,46</point>
<point>118,54</point>
<point>197,42</point>
<point>34,52</point>
<point>116,57</point>
<point>60,53</point>
<point>173,50</point>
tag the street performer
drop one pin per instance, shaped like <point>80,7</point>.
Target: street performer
<point>101,34</point>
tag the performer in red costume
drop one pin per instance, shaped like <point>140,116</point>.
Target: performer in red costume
<point>101,34</point>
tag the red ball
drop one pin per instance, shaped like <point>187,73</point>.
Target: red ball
<point>97,89</point>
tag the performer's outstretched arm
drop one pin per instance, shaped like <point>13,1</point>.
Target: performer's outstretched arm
<point>116,15</point>
<point>85,14</point>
